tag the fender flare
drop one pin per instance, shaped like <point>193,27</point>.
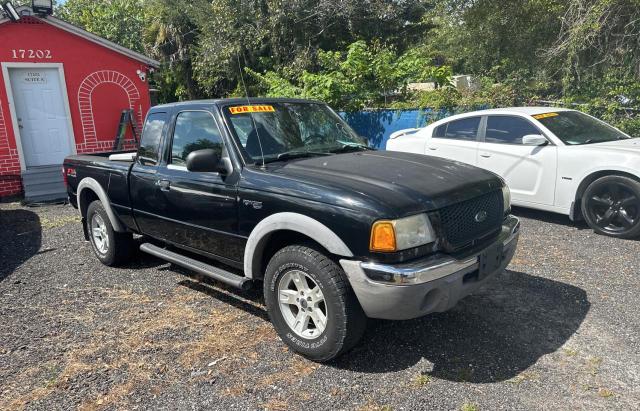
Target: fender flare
<point>293,222</point>
<point>605,169</point>
<point>89,183</point>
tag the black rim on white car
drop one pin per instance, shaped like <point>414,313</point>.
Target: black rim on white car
<point>302,304</point>
<point>99,234</point>
<point>614,208</point>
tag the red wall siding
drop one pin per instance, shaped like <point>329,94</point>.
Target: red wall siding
<point>10,183</point>
<point>100,84</point>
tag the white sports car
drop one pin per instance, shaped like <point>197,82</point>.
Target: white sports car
<point>553,159</point>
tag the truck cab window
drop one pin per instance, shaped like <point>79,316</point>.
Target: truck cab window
<point>150,142</point>
<point>194,130</point>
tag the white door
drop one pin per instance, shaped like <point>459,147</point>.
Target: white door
<point>456,140</point>
<point>530,171</point>
<point>40,111</point>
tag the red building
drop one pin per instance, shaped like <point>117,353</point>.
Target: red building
<point>62,90</point>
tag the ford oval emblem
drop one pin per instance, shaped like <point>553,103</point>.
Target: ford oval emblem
<point>481,216</point>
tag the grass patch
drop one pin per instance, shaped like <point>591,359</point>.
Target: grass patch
<point>53,371</point>
<point>465,374</point>
<point>468,406</point>
<point>49,223</point>
<point>297,368</point>
<point>605,393</point>
<point>524,376</point>
<point>142,334</point>
<point>371,405</point>
<point>593,365</point>
<point>421,380</point>
<point>275,405</point>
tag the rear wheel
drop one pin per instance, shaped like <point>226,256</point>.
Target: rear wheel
<point>111,248</point>
<point>611,206</point>
<point>311,304</point>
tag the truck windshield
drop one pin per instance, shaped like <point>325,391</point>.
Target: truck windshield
<point>574,128</point>
<point>281,130</point>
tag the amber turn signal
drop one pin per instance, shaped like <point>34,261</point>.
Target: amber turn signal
<point>383,237</point>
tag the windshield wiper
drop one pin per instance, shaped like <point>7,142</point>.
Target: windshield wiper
<point>347,148</point>
<point>288,155</point>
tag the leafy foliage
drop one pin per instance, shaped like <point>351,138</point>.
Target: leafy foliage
<point>364,75</point>
<point>120,21</point>
<point>365,53</point>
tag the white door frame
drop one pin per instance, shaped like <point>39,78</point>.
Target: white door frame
<point>12,107</point>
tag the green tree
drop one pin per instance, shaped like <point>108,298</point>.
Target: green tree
<point>364,75</point>
<point>120,21</point>
<point>171,35</point>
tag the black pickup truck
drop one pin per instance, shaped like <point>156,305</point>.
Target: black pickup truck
<point>282,192</point>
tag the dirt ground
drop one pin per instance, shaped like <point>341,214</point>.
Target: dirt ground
<point>559,330</point>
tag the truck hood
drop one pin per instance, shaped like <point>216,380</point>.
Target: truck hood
<point>402,183</point>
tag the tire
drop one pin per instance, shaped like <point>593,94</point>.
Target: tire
<point>115,248</point>
<point>345,320</point>
<point>611,206</point>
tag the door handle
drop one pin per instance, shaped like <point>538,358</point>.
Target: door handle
<point>432,148</point>
<point>485,155</point>
<point>163,184</point>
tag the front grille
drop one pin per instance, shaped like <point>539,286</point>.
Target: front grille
<point>459,225</point>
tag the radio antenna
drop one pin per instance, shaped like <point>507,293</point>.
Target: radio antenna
<point>246,93</point>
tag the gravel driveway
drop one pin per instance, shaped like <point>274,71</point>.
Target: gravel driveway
<point>559,330</point>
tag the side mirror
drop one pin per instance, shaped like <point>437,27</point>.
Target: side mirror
<point>207,160</point>
<point>534,140</point>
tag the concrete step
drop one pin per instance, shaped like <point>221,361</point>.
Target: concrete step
<point>44,187</point>
<point>51,192</point>
<point>43,170</point>
<point>42,179</point>
<point>43,184</point>
<point>45,197</point>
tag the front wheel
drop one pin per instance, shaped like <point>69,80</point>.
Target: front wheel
<point>311,304</point>
<point>611,206</point>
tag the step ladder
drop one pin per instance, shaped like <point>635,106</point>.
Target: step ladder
<point>126,121</point>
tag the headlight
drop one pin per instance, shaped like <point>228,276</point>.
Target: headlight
<point>506,198</point>
<point>401,234</point>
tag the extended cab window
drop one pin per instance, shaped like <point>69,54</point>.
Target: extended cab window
<point>508,129</point>
<point>463,129</point>
<point>150,142</point>
<point>194,130</point>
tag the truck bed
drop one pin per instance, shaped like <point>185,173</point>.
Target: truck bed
<point>103,160</point>
<point>112,175</point>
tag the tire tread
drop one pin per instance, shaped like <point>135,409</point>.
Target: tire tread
<point>353,323</point>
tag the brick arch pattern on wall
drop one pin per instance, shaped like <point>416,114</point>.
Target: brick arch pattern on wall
<point>89,84</point>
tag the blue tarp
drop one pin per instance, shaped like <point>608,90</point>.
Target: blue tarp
<point>377,125</point>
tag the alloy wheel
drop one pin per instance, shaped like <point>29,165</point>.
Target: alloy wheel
<point>99,234</point>
<point>614,208</point>
<point>302,304</point>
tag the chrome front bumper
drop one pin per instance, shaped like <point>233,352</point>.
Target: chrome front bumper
<point>432,284</point>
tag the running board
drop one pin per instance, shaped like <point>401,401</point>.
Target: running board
<point>207,270</point>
